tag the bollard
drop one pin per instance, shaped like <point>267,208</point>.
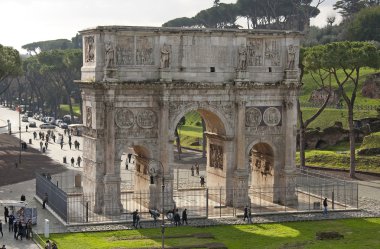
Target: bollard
<point>30,141</point>
<point>46,234</point>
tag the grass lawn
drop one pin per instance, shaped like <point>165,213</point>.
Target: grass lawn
<point>65,109</point>
<point>358,233</point>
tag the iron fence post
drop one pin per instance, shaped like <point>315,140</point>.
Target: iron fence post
<point>220,202</point>
<point>206,203</point>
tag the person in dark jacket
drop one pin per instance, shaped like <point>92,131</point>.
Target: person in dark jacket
<point>325,206</point>
<point>184,217</point>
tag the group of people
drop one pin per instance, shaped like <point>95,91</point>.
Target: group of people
<point>17,224</point>
<point>172,215</point>
<point>196,168</point>
<point>50,245</point>
<point>79,160</point>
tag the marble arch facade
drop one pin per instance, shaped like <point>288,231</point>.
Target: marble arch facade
<point>137,82</point>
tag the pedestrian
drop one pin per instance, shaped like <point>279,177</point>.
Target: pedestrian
<point>184,217</point>
<point>3,247</point>
<point>177,218</point>
<point>10,222</point>
<point>192,170</point>
<point>53,137</point>
<point>134,216</point>
<point>64,131</point>
<point>138,224</point>
<point>26,128</point>
<point>325,207</point>
<point>41,144</point>
<point>69,138</point>
<point>61,143</point>
<point>1,229</point>
<point>48,245</point>
<point>15,229</point>
<point>79,159</point>
<point>202,181</point>
<point>75,144</point>
<point>126,164</point>
<point>46,144</point>
<point>245,213</point>
<point>154,213</point>
<point>45,200</point>
<point>70,143</point>
<point>249,216</point>
<point>6,214</point>
<point>72,161</point>
<point>78,145</point>
<point>29,232</point>
<point>54,246</point>
<point>20,230</point>
<point>197,168</point>
<point>34,135</point>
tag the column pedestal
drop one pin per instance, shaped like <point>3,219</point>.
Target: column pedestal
<point>112,202</point>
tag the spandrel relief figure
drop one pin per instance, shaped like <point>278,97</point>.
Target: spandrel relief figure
<point>110,55</point>
<point>165,57</point>
<point>242,58</point>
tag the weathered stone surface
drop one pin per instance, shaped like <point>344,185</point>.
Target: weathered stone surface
<point>138,82</point>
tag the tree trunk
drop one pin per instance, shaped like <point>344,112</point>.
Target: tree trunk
<point>70,106</point>
<point>352,140</point>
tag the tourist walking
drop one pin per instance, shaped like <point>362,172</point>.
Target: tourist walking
<point>10,222</point>
<point>197,168</point>
<point>15,229</point>
<point>202,181</point>
<point>192,170</point>
<point>70,143</point>
<point>35,135</point>
<point>29,232</point>
<point>26,128</point>
<point>61,143</point>
<point>184,217</point>
<point>1,228</point>
<point>45,200</point>
<point>46,144</point>
<point>79,159</point>
<point>6,214</point>
<point>72,161</point>
<point>177,218</point>
<point>249,216</point>
<point>41,144</point>
<point>325,207</point>
<point>134,217</point>
<point>245,213</point>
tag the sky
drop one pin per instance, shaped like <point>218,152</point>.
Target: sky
<point>27,21</point>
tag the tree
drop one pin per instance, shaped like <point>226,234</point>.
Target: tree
<point>10,66</point>
<point>36,47</point>
<point>365,25</point>
<point>345,58</point>
<point>319,76</point>
<point>348,8</point>
<point>180,22</point>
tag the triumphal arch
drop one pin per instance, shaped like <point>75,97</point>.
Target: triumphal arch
<point>137,83</point>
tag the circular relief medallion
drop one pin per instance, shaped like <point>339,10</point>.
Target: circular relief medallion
<point>272,116</point>
<point>124,118</point>
<point>146,119</point>
<point>253,117</point>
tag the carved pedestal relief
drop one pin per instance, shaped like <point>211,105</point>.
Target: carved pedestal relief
<point>146,119</point>
<point>292,52</point>
<point>262,116</point>
<point>109,64</point>
<point>136,123</point>
<point>144,51</point>
<point>253,117</point>
<point>124,118</point>
<point>242,62</point>
<point>216,156</point>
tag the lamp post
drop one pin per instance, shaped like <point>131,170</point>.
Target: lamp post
<point>153,165</point>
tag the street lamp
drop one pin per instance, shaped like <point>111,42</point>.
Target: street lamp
<point>154,166</point>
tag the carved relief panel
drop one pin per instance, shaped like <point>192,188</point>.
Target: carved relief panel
<point>125,51</point>
<point>89,116</point>
<point>144,51</point>
<point>263,116</point>
<point>136,122</point>
<point>216,156</point>
<point>89,49</point>
<point>255,52</point>
<point>272,53</point>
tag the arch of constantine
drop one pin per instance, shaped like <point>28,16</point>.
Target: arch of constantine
<point>138,82</point>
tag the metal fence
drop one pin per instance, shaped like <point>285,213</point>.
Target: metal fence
<point>57,198</point>
<point>343,106</point>
<point>307,195</point>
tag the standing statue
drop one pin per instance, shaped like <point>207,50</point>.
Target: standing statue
<point>165,54</point>
<point>242,58</point>
<point>291,57</point>
<point>110,55</point>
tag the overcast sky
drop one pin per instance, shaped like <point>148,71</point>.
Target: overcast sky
<point>26,21</point>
